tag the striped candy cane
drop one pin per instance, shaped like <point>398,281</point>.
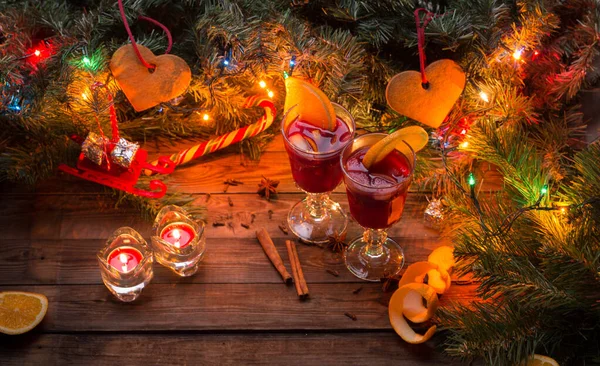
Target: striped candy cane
<point>218,143</point>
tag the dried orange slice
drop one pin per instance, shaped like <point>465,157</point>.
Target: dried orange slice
<point>310,104</point>
<point>20,312</point>
<point>443,257</point>
<point>539,360</point>
<point>397,311</point>
<point>415,136</point>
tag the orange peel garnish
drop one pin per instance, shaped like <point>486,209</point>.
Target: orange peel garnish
<point>397,313</point>
<point>443,257</point>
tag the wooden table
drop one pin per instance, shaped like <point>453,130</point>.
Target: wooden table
<point>235,310</point>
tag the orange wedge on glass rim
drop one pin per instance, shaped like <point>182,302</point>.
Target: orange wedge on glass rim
<point>20,312</point>
<point>415,136</point>
<point>309,104</point>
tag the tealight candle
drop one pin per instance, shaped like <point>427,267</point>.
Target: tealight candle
<point>179,234</point>
<point>124,259</point>
<point>126,264</point>
<point>178,241</point>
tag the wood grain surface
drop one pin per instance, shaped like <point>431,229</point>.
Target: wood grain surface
<point>234,311</point>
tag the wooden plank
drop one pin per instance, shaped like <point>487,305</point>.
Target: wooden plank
<point>373,348</point>
<point>230,260</point>
<point>218,307</point>
<point>85,221</point>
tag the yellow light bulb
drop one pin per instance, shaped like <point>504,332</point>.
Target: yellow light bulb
<point>270,94</point>
<point>84,96</point>
<point>483,95</point>
<point>465,144</point>
<point>517,54</point>
<point>262,84</point>
<point>205,117</point>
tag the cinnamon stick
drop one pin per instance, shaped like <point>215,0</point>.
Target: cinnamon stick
<point>267,244</point>
<point>299,281</point>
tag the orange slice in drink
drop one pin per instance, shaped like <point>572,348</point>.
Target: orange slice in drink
<point>20,312</point>
<point>415,136</point>
<point>309,104</point>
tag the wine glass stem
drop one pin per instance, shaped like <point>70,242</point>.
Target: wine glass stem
<point>317,204</point>
<point>374,239</point>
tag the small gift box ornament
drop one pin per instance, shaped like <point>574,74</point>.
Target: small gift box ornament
<point>94,148</point>
<point>124,152</point>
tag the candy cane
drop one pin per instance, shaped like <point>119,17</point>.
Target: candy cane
<point>217,143</point>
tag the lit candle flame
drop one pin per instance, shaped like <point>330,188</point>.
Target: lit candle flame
<point>123,258</point>
<point>177,236</point>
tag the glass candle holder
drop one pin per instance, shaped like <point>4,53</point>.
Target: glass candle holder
<point>178,241</point>
<point>126,264</point>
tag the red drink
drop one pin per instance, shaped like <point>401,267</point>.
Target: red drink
<point>314,154</point>
<point>376,197</point>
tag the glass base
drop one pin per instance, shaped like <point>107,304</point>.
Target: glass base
<point>317,229</point>
<point>127,294</point>
<point>386,262</point>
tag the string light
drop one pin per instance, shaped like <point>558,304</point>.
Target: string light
<point>37,53</point>
<point>205,117</point>
<point>86,61</point>
<point>517,54</point>
<point>471,180</point>
<point>544,189</point>
<point>226,62</point>
<point>286,75</point>
<point>270,94</point>
<point>84,96</point>
<point>483,95</point>
<point>465,144</point>
<point>262,84</point>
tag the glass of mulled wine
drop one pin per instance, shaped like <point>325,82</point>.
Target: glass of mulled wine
<point>314,155</point>
<point>376,198</point>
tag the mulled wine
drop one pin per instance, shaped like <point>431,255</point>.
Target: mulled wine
<point>314,154</point>
<point>376,196</point>
<point>376,201</point>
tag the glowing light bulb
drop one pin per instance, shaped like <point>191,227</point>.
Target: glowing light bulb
<point>465,144</point>
<point>463,131</point>
<point>483,95</point>
<point>226,62</point>
<point>563,210</point>
<point>544,189</point>
<point>262,84</point>
<point>86,60</point>
<point>517,54</point>
<point>471,179</point>
<point>270,94</point>
<point>205,117</point>
<point>37,53</point>
<point>84,96</point>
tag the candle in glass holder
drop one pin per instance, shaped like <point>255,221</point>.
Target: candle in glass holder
<point>178,241</point>
<point>126,264</point>
<point>178,234</point>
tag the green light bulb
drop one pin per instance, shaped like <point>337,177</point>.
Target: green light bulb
<point>285,75</point>
<point>545,189</point>
<point>86,60</point>
<point>471,179</point>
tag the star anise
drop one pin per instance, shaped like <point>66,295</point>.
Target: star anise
<point>337,243</point>
<point>267,187</point>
